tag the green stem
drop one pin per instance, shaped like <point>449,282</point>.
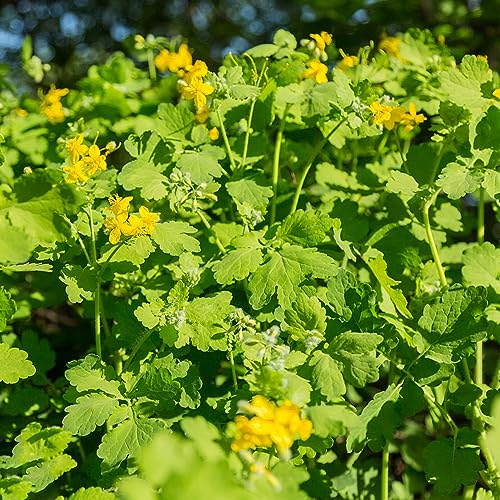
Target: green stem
<point>381,145</point>
<point>226,142</point>
<point>80,241</point>
<point>401,152</point>
<point>250,119</point>
<point>308,166</point>
<point>233,370</point>
<point>480,217</point>
<point>151,65</point>
<point>276,168</point>
<point>478,372</point>
<point>384,475</point>
<point>430,238</point>
<point>437,162</point>
<point>97,292</point>
<point>136,348</point>
<point>220,246</point>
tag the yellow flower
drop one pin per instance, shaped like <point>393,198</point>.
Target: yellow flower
<point>390,45</point>
<point>213,133</point>
<point>173,61</point>
<point>386,115</point>
<point>322,40</point>
<point>496,93</point>
<point>119,205</point>
<point>410,119</point>
<point>348,62</point>
<point>148,219</point>
<point>197,70</point>
<point>271,425</point>
<point>76,148</point>
<point>51,105</point>
<point>202,115</point>
<point>76,173</point>
<point>94,160</point>
<point>197,90</point>
<point>317,71</point>
<point>117,225</point>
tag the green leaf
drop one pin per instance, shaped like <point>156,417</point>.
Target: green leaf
<point>262,50</point>
<point>332,420</point>
<point>306,317</point>
<point>89,412</point>
<point>491,182</point>
<point>40,476</point>
<point>28,267</point>
<point>402,183</point>
<point>87,375</point>
<point>136,250</point>
<point>248,191</point>
<point>173,237</point>
<point>457,180</point>
<point>449,467</point>
<point>448,217</point>
<point>14,488</point>
<point>7,308</point>
<point>360,431</point>
<point>203,165</point>
<point>356,352</point>
<point>205,325</point>
<point>284,271</point>
<point>80,283</point>
<point>482,266</point>
<point>139,174</point>
<point>14,364</point>
<point>452,324</point>
<point>37,443</point>
<point>307,228</point>
<point>463,85</point>
<point>237,264</point>
<point>127,439</point>
<point>41,355</point>
<point>174,122</point>
<point>93,493</point>
<point>375,260</point>
<point>327,376</point>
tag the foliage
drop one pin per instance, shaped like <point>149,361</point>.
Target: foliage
<point>272,280</point>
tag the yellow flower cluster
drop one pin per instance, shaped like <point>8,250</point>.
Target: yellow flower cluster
<point>390,45</point>
<point>121,223</point>
<point>51,105</point>
<point>174,61</point>
<point>389,116</point>
<point>496,93</point>
<point>271,425</point>
<point>85,160</point>
<point>316,70</point>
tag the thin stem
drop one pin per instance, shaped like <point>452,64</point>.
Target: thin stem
<point>80,241</point>
<point>226,142</point>
<point>384,475</point>
<point>313,156</point>
<point>151,65</point>
<point>276,168</point>
<point>478,371</point>
<point>233,370</point>
<point>401,152</point>
<point>136,348</point>
<point>430,238</point>
<point>250,119</point>
<point>480,217</point>
<point>220,246</point>
<point>97,292</point>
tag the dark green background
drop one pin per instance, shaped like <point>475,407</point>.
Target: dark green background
<point>72,34</point>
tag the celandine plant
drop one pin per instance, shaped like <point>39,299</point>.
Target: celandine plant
<point>269,281</point>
